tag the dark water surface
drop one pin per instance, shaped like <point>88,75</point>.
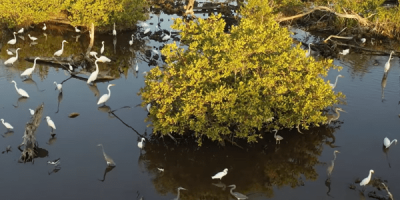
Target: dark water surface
<point>295,169</point>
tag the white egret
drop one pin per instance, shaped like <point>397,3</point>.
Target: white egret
<point>32,38</point>
<point>140,144</point>
<point>330,168</point>
<point>387,190</point>
<point>70,67</point>
<point>102,58</point>
<point>167,37</point>
<point>278,138</point>
<point>334,85</point>
<point>148,107</point>
<point>237,195</point>
<point>94,74</point>
<point>50,123</point>
<point>12,59</point>
<point>365,181</point>
<point>308,53</point>
<point>44,26</point>
<point>102,48</point>
<point>31,111</point>
<point>93,53</point>
<point>387,65</point>
<point>105,97</point>
<point>131,41</point>
<point>59,52</point>
<point>59,86</point>
<point>20,91</point>
<point>28,72</point>
<point>6,124</point>
<point>345,52</point>
<point>179,188</point>
<point>21,30</point>
<point>144,24</point>
<point>155,51</point>
<point>160,169</point>
<point>332,117</point>
<point>146,31</point>
<point>363,40</point>
<point>137,67</point>
<point>55,162</point>
<point>77,30</point>
<point>13,41</point>
<point>114,31</point>
<point>387,142</point>
<point>109,160</point>
<point>10,53</point>
<point>219,175</point>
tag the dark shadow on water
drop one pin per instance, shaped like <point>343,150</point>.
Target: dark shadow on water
<point>291,165</point>
<point>20,100</point>
<point>55,170</point>
<point>32,82</point>
<point>108,169</point>
<point>52,140</point>
<point>386,151</point>
<point>8,133</point>
<point>59,99</point>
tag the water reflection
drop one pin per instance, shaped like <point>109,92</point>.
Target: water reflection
<point>20,100</point>
<point>59,99</point>
<point>108,169</point>
<point>268,168</point>
<point>29,80</point>
<point>383,86</point>
<point>8,133</point>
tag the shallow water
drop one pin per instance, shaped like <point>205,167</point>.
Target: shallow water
<point>295,169</point>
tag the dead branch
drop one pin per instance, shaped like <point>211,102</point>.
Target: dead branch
<point>357,17</point>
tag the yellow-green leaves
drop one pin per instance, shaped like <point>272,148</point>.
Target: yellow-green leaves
<point>235,82</point>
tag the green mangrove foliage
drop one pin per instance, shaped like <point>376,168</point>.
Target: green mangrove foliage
<point>79,12</point>
<point>237,82</point>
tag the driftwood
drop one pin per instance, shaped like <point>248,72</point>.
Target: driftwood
<point>361,20</point>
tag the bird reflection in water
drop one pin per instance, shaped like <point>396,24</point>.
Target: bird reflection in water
<point>20,100</point>
<point>108,169</point>
<point>383,86</point>
<point>8,133</point>
<point>386,151</point>
<point>94,89</point>
<point>329,171</point>
<point>220,185</point>
<point>32,82</point>
<point>106,109</point>
<point>8,148</point>
<point>60,97</point>
<point>52,140</point>
<point>55,170</point>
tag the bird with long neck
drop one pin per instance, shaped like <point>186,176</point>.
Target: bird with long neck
<point>387,142</point>
<point>179,192</point>
<point>332,117</point>
<point>109,160</point>
<point>278,138</point>
<point>387,65</point>
<point>28,72</point>
<point>365,181</point>
<point>12,59</point>
<point>93,75</point>
<point>330,168</point>
<point>13,41</point>
<point>334,85</point>
<point>105,97</point>
<point>237,195</point>
<point>309,50</point>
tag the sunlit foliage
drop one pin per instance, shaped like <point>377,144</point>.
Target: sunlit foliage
<point>236,82</point>
<point>79,12</point>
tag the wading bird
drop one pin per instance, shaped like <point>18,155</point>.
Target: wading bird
<point>59,52</point>
<point>13,41</point>
<point>167,37</point>
<point>345,52</point>
<point>278,138</point>
<point>102,48</point>
<point>334,85</point>
<point>21,30</point>
<point>58,86</point>
<point>330,168</point>
<point>140,144</point>
<point>387,65</point>
<point>363,40</point>
<point>50,123</point>
<point>146,31</point>
<point>28,72</point>
<point>332,117</point>
<point>10,53</point>
<point>114,31</point>
<point>308,53</point>
<point>32,38</point>
<point>109,160</point>
<point>44,27</point>
<point>219,175</point>
<point>387,142</point>
<point>365,181</point>
<point>7,125</point>
<point>31,111</point>
<point>102,58</point>
<point>105,97</point>
<point>94,74</point>
<point>55,162</point>
<point>77,30</point>
<point>20,91</point>
<point>12,59</point>
<point>131,41</point>
<point>237,195</point>
<point>148,107</point>
<point>179,188</point>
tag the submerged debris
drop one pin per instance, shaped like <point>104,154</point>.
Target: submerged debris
<point>73,115</point>
<point>29,144</point>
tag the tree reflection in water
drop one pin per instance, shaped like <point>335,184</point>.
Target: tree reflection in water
<point>257,169</point>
